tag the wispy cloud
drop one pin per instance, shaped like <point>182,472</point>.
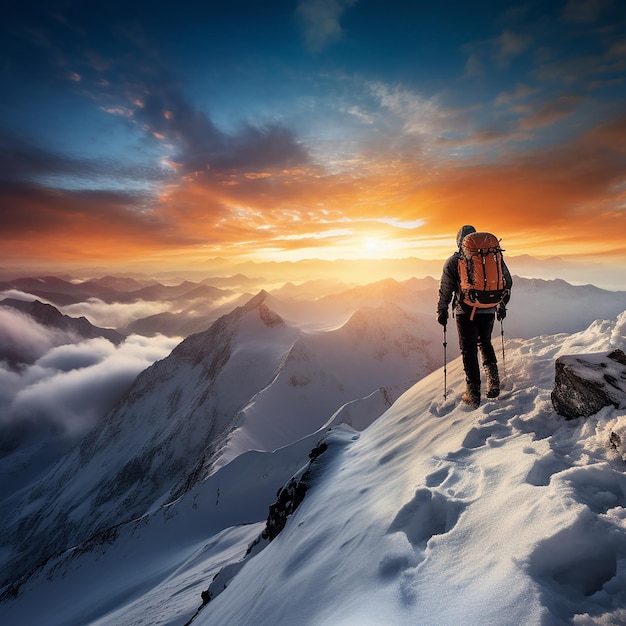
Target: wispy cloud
<point>521,92</point>
<point>114,315</point>
<point>417,114</point>
<point>321,20</point>
<point>498,51</point>
<point>584,11</point>
<point>510,45</point>
<point>549,112</point>
<point>474,65</point>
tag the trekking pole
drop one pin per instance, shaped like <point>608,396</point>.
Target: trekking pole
<point>445,371</point>
<point>503,358</point>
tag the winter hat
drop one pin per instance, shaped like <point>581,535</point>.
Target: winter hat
<point>463,231</point>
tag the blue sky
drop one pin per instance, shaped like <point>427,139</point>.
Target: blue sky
<point>301,129</point>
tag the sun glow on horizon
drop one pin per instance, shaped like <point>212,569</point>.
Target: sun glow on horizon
<point>371,244</point>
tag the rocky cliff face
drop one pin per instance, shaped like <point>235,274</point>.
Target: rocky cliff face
<point>584,384</point>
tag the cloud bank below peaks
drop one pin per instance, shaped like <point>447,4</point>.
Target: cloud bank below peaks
<point>70,386</point>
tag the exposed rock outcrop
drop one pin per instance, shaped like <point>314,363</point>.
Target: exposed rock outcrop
<point>585,383</point>
<point>288,499</point>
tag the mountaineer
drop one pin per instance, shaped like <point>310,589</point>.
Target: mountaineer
<point>477,281</point>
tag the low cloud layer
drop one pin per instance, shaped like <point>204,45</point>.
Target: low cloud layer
<point>71,385</point>
<point>26,340</point>
<point>114,315</point>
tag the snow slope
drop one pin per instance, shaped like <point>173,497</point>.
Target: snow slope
<point>508,514</point>
<point>438,515</point>
<point>250,382</point>
<point>378,349</point>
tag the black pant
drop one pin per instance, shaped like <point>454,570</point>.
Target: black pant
<point>474,335</point>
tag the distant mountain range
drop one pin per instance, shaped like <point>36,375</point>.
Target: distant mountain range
<point>111,289</point>
<point>537,305</point>
<point>49,317</point>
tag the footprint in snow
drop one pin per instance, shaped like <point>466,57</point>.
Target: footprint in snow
<point>440,408</point>
<point>580,568</point>
<point>429,513</point>
<point>600,488</point>
<point>577,567</point>
<point>457,478</point>
<point>478,437</point>
<point>437,477</point>
<point>544,468</point>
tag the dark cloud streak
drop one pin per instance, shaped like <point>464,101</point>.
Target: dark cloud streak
<point>111,64</point>
<point>198,144</point>
<point>21,160</point>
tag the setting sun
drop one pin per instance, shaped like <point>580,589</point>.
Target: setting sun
<point>371,245</point>
<point>334,157</point>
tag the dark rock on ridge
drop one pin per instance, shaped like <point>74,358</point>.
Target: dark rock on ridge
<point>586,383</point>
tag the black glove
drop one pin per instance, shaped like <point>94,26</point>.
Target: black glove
<point>442,317</point>
<point>501,312</point>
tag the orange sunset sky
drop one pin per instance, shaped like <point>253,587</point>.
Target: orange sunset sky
<point>137,139</point>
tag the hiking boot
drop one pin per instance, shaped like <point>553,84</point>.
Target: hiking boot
<point>471,397</point>
<point>493,380</point>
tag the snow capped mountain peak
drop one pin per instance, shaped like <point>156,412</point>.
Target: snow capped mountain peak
<point>162,437</point>
<point>386,317</point>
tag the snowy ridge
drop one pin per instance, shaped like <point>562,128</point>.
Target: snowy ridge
<point>378,347</point>
<point>250,382</point>
<point>505,515</point>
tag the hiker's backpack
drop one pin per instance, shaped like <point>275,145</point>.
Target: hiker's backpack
<point>481,272</point>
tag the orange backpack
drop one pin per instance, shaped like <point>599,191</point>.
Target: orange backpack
<point>480,271</point>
